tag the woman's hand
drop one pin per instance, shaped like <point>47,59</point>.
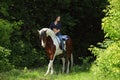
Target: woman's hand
<point>56,30</point>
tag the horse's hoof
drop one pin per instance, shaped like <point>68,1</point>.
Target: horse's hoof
<point>67,72</point>
<point>51,72</point>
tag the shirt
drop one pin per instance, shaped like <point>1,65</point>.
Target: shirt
<point>57,26</point>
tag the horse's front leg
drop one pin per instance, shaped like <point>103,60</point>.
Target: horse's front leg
<point>51,54</point>
<point>50,66</point>
<point>52,70</point>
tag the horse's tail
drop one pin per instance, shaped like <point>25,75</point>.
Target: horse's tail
<point>71,60</point>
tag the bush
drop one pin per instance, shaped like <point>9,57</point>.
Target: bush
<point>111,23</point>
<point>4,62</point>
<point>108,62</point>
<point>5,32</point>
<point>7,29</point>
<point>24,55</point>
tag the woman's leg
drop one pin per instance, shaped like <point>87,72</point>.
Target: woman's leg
<point>61,41</point>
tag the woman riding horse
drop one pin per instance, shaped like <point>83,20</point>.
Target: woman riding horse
<point>56,26</point>
<point>52,48</point>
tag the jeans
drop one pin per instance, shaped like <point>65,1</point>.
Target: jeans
<point>61,41</point>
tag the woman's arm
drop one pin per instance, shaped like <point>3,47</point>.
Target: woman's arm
<point>56,30</point>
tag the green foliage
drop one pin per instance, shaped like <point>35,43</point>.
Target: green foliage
<point>100,48</point>
<point>37,74</point>
<point>108,62</point>
<point>6,29</point>
<point>107,53</point>
<point>111,23</point>
<point>4,8</point>
<point>79,19</point>
<point>26,55</point>
<point>4,62</point>
<point>85,63</point>
<point>4,52</point>
<point>22,52</point>
<point>5,32</point>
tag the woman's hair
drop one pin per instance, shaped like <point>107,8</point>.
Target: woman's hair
<point>56,17</point>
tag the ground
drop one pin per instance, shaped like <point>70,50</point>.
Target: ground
<point>38,74</point>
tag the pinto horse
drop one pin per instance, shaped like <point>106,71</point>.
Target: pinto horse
<point>50,42</point>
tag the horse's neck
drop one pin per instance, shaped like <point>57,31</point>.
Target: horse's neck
<point>51,34</point>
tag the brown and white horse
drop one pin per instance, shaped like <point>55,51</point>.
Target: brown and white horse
<point>50,42</point>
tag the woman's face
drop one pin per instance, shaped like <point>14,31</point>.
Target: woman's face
<point>58,18</point>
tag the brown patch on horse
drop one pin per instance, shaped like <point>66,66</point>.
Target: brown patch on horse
<point>50,48</point>
<point>69,48</point>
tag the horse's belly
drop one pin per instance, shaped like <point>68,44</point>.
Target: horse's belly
<point>58,52</point>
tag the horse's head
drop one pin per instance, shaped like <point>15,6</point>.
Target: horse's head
<point>43,36</point>
<point>44,33</point>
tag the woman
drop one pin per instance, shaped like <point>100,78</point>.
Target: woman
<point>56,27</point>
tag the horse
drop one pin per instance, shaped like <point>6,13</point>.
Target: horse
<point>50,42</point>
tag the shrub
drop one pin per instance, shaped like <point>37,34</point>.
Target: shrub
<point>23,54</point>
<point>5,32</point>
<point>111,23</point>
<point>4,62</point>
<point>108,62</point>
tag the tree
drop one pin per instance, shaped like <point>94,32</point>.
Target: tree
<point>80,19</point>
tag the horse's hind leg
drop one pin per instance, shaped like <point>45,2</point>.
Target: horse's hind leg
<point>68,54</point>
<point>63,62</point>
<point>71,60</point>
<point>68,66</point>
<point>68,61</point>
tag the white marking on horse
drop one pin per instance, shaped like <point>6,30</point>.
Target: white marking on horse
<point>55,41</point>
<point>42,43</point>
<point>50,66</point>
<point>68,67</point>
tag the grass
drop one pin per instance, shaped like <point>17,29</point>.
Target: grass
<point>38,74</point>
